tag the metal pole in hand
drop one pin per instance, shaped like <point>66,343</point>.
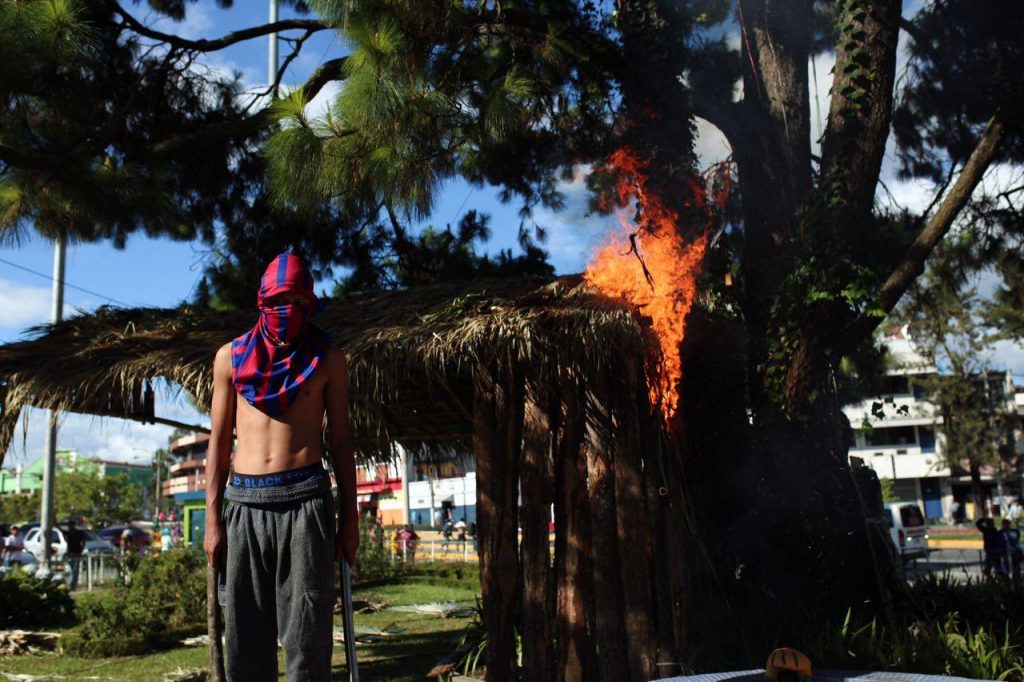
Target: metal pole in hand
<point>347,621</point>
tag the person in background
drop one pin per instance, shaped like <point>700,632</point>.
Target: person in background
<point>1011,536</point>
<point>1015,514</point>
<point>954,512</point>
<point>995,548</point>
<point>76,548</point>
<point>126,540</point>
<point>408,538</point>
<point>396,544</point>
<point>13,546</point>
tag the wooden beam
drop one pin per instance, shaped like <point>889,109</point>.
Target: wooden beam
<point>633,527</point>
<point>497,437</point>
<point>538,494</point>
<point>610,623</point>
<point>574,608</point>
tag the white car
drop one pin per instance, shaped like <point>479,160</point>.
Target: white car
<point>908,530</point>
<point>93,543</point>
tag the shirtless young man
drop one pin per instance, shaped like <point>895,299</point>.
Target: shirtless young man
<point>275,539</point>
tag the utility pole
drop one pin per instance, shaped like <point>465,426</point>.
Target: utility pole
<point>158,458</point>
<point>50,455</point>
<point>272,57</point>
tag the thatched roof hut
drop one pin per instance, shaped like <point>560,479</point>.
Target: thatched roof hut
<point>410,353</point>
<point>542,379</point>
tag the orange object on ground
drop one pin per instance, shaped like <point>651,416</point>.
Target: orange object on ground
<point>787,664</point>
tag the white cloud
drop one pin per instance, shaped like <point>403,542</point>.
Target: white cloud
<point>198,22</point>
<point>710,145</point>
<point>324,99</point>
<point>1008,355</point>
<point>572,232</point>
<point>24,305</point>
<point>102,437</point>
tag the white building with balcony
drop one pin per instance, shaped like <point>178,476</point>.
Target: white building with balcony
<point>906,444</point>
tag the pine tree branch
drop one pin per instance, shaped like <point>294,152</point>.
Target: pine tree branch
<point>11,157</point>
<point>250,125</point>
<point>913,31</point>
<point>913,263</point>
<point>212,45</point>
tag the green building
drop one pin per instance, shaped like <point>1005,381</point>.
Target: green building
<point>30,478</point>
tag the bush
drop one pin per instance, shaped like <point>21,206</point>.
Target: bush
<point>29,602</point>
<point>165,601</point>
<point>373,559</point>
<point>941,626</point>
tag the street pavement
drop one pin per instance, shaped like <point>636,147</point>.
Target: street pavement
<point>961,563</point>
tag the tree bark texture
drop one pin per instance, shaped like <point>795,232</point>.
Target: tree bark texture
<point>497,437</point>
<point>577,657</point>
<point>538,496</point>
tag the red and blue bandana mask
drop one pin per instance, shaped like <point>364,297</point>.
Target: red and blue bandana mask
<point>271,361</point>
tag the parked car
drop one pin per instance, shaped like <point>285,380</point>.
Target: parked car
<point>908,530</point>
<point>93,543</point>
<point>138,537</point>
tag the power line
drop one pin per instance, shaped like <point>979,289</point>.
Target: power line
<point>66,283</point>
<point>463,204</point>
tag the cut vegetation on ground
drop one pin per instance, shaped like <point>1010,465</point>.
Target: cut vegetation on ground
<point>409,643</point>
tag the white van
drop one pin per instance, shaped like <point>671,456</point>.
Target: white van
<point>908,530</point>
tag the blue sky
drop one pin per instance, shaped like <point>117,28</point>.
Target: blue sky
<point>159,272</point>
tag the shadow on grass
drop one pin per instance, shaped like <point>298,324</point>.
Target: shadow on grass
<point>402,659</point>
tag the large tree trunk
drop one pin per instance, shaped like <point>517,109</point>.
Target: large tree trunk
<point>497,438</point>
<point>781,532</point>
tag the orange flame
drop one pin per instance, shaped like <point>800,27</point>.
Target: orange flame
<point>650,266</point>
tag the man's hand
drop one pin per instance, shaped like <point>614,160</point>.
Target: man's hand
<point>347,542</point>
<point>213,544</point>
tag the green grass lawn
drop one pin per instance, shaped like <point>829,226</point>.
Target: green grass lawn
<point>422,641</point>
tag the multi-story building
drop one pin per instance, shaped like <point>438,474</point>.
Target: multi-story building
<point>906,444</point>
<point>27,479</point>
<point>443,491</point>
<point>423,494</point>
<point>186,479</point>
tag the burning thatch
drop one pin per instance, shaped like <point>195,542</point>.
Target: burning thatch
<point>410,353</point>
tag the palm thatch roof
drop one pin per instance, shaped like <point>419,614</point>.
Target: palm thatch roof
<point>411,353</point>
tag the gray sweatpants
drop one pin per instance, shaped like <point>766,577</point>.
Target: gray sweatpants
<point>278,581</point>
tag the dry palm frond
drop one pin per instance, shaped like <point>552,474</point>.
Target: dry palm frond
<point>411,354</point>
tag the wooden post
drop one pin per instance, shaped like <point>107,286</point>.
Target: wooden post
<point>538,493</point>
<point>214,627</point>
<point>577,657</point>
<point>657,508</point>
<point>611,631</point>
<point>633,528</point>
<point>497,438</point>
